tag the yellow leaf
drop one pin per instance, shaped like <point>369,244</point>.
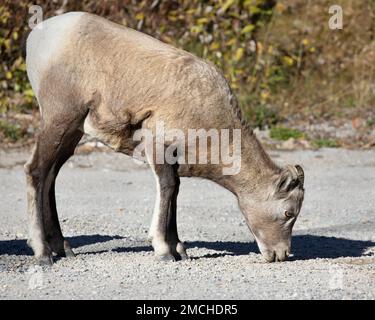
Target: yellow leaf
<point>140,16</point>
<point>226,5</point>
<point>231,42</point>
<point>264,95</point>
<point>288,61</point>
<point>9,75</point>
<point>7,44</point>
<point>254,10</point>
<point>248,28</point>
<point>260,47</point>
<point>214,46</point>
<point>29,93</point>
<point>15,35</point>
<point>172,18</point>
<point>196,29</point>
<point>22,66</point>
<point>247,3</point>
<point>305,42</point>
<point>202,21</point>
<point>239,54</point>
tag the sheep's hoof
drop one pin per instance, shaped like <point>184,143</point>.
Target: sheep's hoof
<point>45,261</point>
<point>165,257</point>
<point>184,256</point>
<point>69,253</point>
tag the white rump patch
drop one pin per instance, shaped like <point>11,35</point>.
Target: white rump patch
<point>45,43</point>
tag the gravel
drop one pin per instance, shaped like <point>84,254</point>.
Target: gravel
<point>105,205</point>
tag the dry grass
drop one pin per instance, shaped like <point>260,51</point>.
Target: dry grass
<point>331,72</point>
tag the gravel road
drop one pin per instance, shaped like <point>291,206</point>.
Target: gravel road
<point>105,203</point>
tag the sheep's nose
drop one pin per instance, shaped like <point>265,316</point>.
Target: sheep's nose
<point>281,255</point>
<point>275,253</point>
<point>276,256</point>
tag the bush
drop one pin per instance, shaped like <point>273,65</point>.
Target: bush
<point>220,31</point>
<point>325,143</point>
<point>280,58</point>
<point>282,133</point>
<point>261,116</point>
<point>10,131</point>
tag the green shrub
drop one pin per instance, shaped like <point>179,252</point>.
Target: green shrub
<point>10,131</point>
<point>261,116</point>
<point>350,102</point>
<point>283,133</point>
<point>325,143</point>
<point>219,31</point>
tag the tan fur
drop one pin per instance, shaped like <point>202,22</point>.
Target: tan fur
<point>141,74</point>
<point>118,80</point>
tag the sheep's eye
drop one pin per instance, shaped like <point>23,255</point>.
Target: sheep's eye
<point>288,214</point>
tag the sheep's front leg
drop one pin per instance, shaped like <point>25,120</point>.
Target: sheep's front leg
<point>163,231</point>
<point>177,246</point>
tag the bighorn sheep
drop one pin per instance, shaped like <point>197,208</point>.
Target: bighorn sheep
<point>91,75</point>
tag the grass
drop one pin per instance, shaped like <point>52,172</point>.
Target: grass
<point>371,122</point>
<point>325,143</point>
<point>350,102</point>
<point>11,131</point>
<point>283,133</point>
<point>264,116</point>
<point>259,115</point>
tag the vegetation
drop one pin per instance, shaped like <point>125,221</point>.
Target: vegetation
<point>325,143</point>
<point>280,57</point>
<point>10,131</point>
<point>283,133</point>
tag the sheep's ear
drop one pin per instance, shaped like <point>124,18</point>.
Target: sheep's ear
<point>289,178</point>
<point>283,181</point>
<point>300,174</point>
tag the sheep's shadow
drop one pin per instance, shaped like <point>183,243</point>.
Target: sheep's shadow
<point>20,247</point>
<point>304,247</point>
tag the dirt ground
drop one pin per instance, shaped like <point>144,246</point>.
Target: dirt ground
<point>105,204</point>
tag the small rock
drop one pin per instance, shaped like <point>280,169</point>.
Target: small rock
<point>289,144</point>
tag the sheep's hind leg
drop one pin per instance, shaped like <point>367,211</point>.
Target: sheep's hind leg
<point>54,145</point>
<point>54,235</point>
<point>37,171</point>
